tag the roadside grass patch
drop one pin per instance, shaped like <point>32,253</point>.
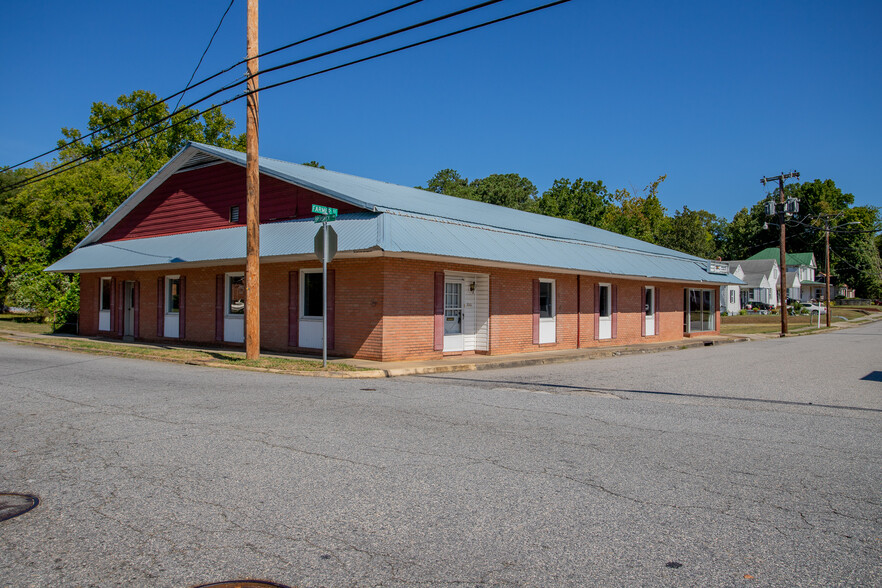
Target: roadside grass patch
<point>753,324</point>
<point>196,356</point>
<point>24,323</point>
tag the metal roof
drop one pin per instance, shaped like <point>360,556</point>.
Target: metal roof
<point>393,233</point>
<point>805,258</point>
<point>396,219</point>
<point>356,232</point>
<point>382,196</point>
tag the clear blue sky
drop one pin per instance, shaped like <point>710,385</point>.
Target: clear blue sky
<point>715,95</point>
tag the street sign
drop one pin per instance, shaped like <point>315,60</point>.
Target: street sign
<point>324,218</point>
<point>320,243</point>
<point>327,210</point>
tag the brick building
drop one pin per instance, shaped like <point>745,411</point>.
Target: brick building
<point>417,275</point>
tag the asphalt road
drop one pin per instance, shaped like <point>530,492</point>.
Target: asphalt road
<point>752,464</point>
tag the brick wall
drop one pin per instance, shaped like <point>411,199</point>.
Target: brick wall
<point>385,306</point>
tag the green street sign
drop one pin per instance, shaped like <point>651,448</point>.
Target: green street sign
<point>325,218</point>
<point>326,210</point>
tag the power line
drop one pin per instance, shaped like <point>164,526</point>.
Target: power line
<point>417,44</point>
<point>207,47</point>
<point>379,37</point>
<point>338,29</point>
<point>106,148</point>
<point>181,97</point>
<point>214,76</point>
<point>73,163</point>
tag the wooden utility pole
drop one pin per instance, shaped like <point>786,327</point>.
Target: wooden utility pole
<point>252,188</point>
<point>781,218</point>
<point>827,269</point>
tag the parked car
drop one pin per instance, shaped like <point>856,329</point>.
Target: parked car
<point>760,307</point>
<point>814,308</point>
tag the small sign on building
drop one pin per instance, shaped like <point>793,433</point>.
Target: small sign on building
<point>717,267</point>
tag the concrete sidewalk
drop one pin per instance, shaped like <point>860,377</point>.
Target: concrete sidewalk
<point>461,363</point>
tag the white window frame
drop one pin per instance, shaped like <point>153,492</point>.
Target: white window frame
<point>604,321</point>
<point>228,280</point>
<point>552,302</point>
<point>711,310</point>
<point>168,281</point>
<point>104,315</point>
<point>608,301</point>
<point>651,310</point>
<point>302,301</point>
<point>101,295</point>
<point>548,324</point>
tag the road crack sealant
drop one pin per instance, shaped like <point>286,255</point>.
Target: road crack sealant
<point>13,504</point>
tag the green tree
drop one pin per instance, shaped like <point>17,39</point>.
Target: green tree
<point>582,201</point>
<point>43,221</point>
<point>742,235</point>
<point>449,182</point>
<point>639,216</point>
<point>138,115</point>
<point>696,232</point>
<point>854,260</point>
<point>509,190</point>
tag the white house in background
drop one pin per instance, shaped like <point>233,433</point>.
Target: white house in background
<point>761,277</point>
<point>802,286</point>
<point>730,294</point>
<point>794,286</point>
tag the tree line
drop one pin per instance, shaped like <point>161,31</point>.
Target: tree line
<point>856,250</point>
<point>41,222</point>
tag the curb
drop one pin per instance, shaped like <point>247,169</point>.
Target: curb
<point>502,363</point>
<point>526,362</point>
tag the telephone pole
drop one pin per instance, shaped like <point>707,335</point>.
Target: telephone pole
<point>781,218</point>
<point>827,268</point>
<point>826,221</point>
<point>252,190</point>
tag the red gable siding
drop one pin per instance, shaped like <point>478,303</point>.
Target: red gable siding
<point>200,200</point>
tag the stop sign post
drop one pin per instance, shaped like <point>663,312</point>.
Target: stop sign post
<point>325,249</point>
<point>319,242</point>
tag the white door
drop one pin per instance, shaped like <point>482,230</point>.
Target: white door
<point>604,321</point>
<point>129,315</point>
<point>547,314</point>
<point>234,311</point>
<point>649,306</point>
<point>453,316</point>
<point>311,308</point>
<point>104,305</point>
<point>172,307</point>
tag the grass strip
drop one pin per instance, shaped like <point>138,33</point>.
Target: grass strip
<point>191,355</point>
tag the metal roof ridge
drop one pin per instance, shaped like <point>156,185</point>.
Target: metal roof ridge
<point>438,219</point>
<point>320,169</point>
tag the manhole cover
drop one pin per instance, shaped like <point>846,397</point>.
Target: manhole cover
<point>243,584</point>
<point>12,505</point>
